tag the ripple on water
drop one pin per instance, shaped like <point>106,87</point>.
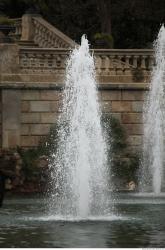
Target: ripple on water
<point>80,219</point>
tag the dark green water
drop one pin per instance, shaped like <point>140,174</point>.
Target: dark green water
<point>23,223</point>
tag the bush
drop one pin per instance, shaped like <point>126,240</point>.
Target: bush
<point>103,40</point>
<point>4,20</point>
<point>124,164</point>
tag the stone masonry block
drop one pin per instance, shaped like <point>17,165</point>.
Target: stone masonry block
<point>137,106</point>
<point>50,95</point>
<point>133,129</point>
<point>111,95</point>
<point>132,118</point>
<point>121,106</point>
<point>13,138</point>
<point>30,117</point>
<point>131,95</point>
<point>56,106</point>
<point>40,106</point>
<point>25,106</point>
<point>39,129</point>
<point>30,141</point>
<point>49,117</point>
<point>25,129</point>
<point>30,95</point>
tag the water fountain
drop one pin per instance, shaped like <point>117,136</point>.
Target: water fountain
<point>80,176</point>
<point>154,123</point>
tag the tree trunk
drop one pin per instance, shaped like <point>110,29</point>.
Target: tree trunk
<point>104,9</point>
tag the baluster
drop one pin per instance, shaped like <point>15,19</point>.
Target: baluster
<point>111,65</point>
<point>135,61</point>
<point>127,68</point>
<point>106,62</point>
<point>143,62</point>
<point>98,63</point>
<point>103,64</point>
<point>150,62</point>
<point>119,67</point>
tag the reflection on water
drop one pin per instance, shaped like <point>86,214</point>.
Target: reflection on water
<point>24,223</point>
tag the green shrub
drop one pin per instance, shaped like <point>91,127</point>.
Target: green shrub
<point>4,20</point>
<point>103,40</point>
<point>124,164</point>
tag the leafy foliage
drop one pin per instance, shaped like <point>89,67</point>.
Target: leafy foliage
<point>124,164</point>
<point>132,23</point>
<point>5,21</point>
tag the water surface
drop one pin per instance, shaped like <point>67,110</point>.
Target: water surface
<point>139,222</point>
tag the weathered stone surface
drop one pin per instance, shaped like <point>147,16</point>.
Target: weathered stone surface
<point>50,95</point>
<point>9,63</point>
<point>137,106</point>
<point>11,115</point>
<point>39,129</point>
<point>111,95</point>
<point>30,117</point>
<point>55,106</point>
<point>27,28</point>
<point>121,106</point>
<point>30,141</point>
<point>25,129</point>
<point>49,117</point>
<point>136,95</point>
<point>133,129</point>
<point>40,106</point>
<point>30,95</point>
<point>132,118</point>
<point>25,106</point>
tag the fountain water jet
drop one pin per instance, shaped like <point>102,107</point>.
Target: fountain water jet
<point>80,176</point>
<point>154,123</point>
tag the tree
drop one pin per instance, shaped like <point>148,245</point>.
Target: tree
<point>104,11</point>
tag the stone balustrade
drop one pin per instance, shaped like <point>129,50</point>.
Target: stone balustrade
<point>119,61</point>
<point>33,28</point>
<point>47,36</point>
<point>109,62</point>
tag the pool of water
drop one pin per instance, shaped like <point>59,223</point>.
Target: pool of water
<point>139,222</point>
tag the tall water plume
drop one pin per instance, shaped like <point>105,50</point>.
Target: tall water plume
<point>80,173</point>
<point>154,123</point>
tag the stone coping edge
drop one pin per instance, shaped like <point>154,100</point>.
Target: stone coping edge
<point>60,86</point>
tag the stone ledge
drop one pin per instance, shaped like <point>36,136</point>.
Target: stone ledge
<point>60,86</point>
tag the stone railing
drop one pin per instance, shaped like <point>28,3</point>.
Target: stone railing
<point>47,36</point>
<point>33,29</point>
<point>36,60</point>
<point>108,62</point>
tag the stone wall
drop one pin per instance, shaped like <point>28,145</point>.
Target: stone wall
<point>126,106</point>
<point>32,73</point>
<point>39,111</point>
<point>0,119</point>
<point>28,114</point>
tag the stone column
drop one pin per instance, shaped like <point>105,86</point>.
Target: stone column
<point>11,118</point>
